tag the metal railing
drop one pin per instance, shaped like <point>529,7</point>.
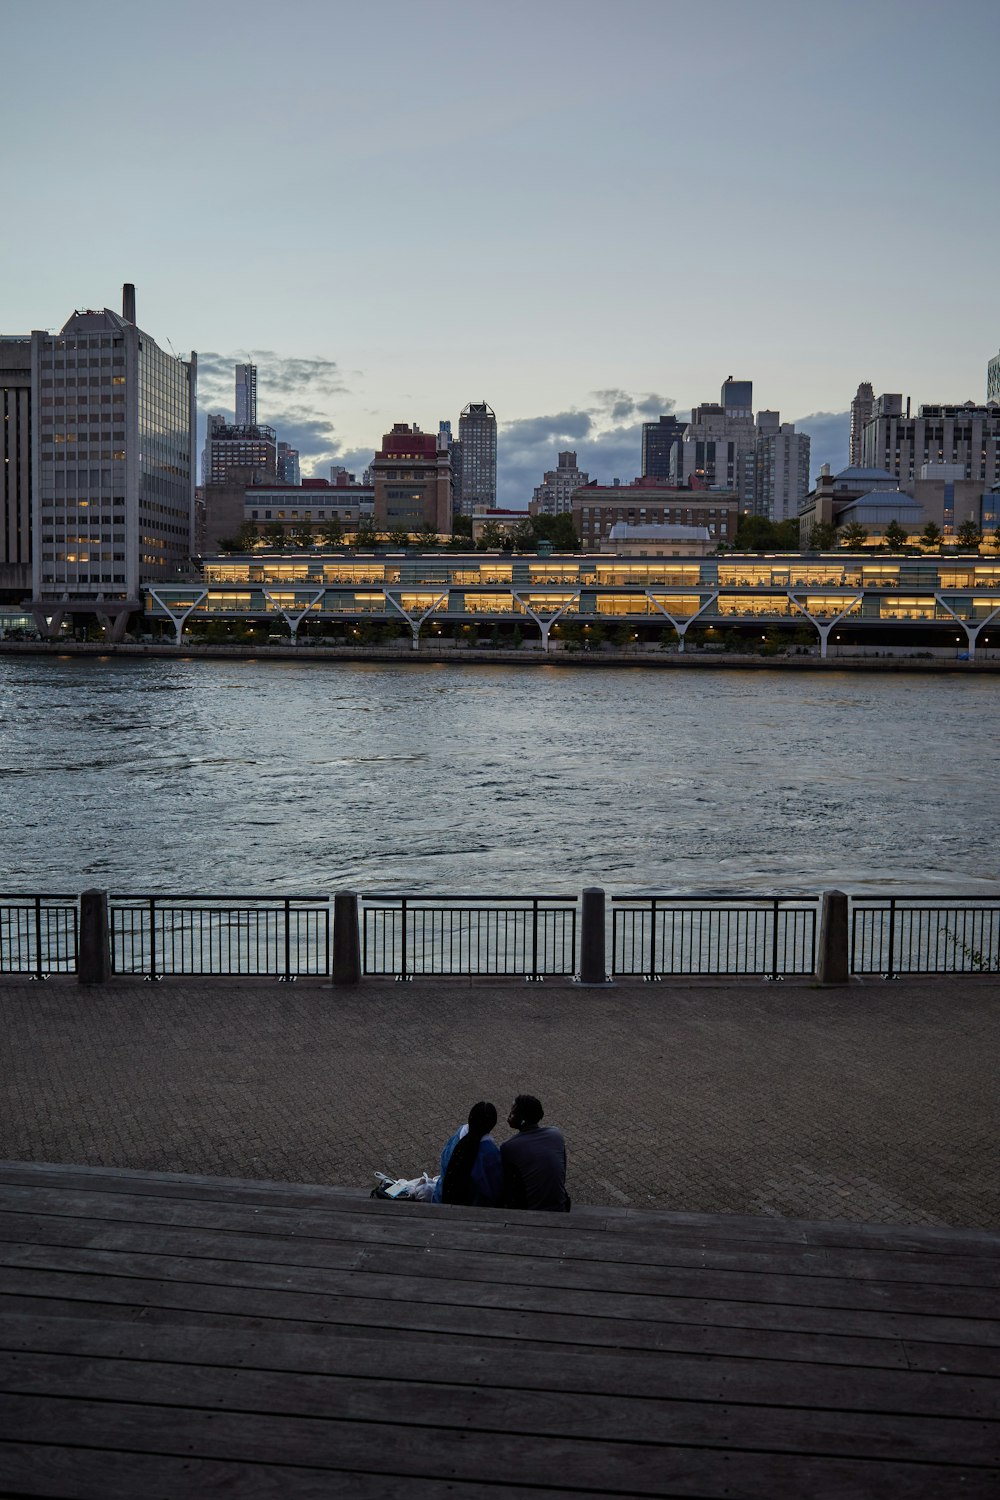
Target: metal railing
<point>277,935</point>
<point>519,935</point>
<point>39,935</point>
<point>925,935</point>
<point>660,936</point>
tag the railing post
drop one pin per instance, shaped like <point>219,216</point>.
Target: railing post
<point>94,963</point>
<point>652,940</point>
<point>346,946</point>
<point>534,939</point>
<point>403,937</point>
<point>833,961</point>
<point>152,939</point>
<point>593,963</point>
<point>39,966</point>
<point>776,906</point>
<point>890,972</point>
<point>288,939</point>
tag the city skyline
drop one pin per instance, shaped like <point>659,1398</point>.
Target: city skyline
<point>617,240</point>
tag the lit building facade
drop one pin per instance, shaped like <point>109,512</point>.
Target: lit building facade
<point>477,434</point>
<point>412,481</point>
<point>847,600</point>
<point>113,460</point>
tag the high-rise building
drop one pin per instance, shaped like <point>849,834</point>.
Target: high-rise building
<point>230,445</point>
<point>781,468</point>
<point>246,395</point>
<point>659,441</point>
<point>113,426</point>
<point>993,379</point>
<point>287,464</point>
<point>477,433</point>
<point>412,478</point>
<point>716,450</point>
<point>861,411</point>
<point>554,496</point>
<point>966,436</point>
<point>15,462</point>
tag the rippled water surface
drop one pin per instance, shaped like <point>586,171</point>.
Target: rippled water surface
<point>256,776</point>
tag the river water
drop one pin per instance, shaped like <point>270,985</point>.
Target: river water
<point>247,777</point>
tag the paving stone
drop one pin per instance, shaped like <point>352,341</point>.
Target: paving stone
<point>875,1102</point>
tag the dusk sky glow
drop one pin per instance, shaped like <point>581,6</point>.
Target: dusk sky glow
<point>583,213</point>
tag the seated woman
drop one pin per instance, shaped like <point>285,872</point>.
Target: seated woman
<point>471,1172</point>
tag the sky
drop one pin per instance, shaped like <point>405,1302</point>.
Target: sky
<point>583,213</point>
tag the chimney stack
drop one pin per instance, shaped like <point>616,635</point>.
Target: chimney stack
<point>128,302</point>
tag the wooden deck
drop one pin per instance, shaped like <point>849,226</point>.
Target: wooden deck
<point>167,1336</point>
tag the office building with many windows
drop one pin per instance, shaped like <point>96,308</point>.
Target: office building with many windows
<point>554,496</point>
<point>966,436</point>
<point>412,481</point>
<point>477,434</point>
<point>112,466</point>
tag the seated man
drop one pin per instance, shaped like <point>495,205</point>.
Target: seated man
<point>534,1160</point>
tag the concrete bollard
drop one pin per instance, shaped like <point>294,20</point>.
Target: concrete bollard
<point>593,961</point>
<point>94,961</point>
<point>833,961</point>
<point>346,939</point>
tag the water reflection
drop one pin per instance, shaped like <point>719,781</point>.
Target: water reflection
<point>221,776</point>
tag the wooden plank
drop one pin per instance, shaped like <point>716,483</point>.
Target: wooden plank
<point>444,1230</point>
<point>703,1378</point>
<point>47,1229</point>
<point>488,1317</point>
<point>838,1233</point>
<point>670,1297</point>
<point>571,1464</point>
<point>505,1410</point>
<point>74,1473</point>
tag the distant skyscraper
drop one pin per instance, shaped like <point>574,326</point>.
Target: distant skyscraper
<point>659,439</point>
<point>288,469</point>
<point>477,433</point>
<point>15,459</point>
<point>554,496</point>
<point>113,459</point>
<point>861,412</point>
<point>246,395</point>
<point>993,379</point>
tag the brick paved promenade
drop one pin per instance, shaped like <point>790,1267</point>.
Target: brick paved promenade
<point>877,1102</point>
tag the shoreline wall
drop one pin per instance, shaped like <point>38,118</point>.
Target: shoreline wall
<point>692,660</point>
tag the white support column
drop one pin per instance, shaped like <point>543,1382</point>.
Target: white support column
<point>294,621</point>
<point>545,623</point>
<point>681,626</point>
<point>971,631</point>
<point>415,623</point>
<point>823,630</point>
<point>178,619</point>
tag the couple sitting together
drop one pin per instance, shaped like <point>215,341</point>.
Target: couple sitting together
<point>528,1171</point>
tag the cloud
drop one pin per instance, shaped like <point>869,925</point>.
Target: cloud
<point>830,432</point>
<point>607,444</point>
<point>279,380</point>
<point>291,394</point>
